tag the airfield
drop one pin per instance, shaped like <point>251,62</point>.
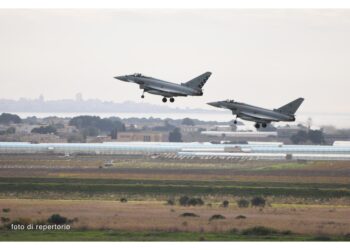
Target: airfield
<point>132,191</point>
<point>250,151</point>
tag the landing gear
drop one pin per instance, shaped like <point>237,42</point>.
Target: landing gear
<point>264,125</point>
<point>172,99</point>
<point>235,122</point>
<point>164,99</point>
<point>257,125</point>
<point>143,96</point>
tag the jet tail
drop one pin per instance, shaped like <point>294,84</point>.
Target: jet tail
<point>291,107</point>
<point>199,81</point>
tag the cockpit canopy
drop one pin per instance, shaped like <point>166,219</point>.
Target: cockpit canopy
<point>137,75</point>
<point>230,101</point>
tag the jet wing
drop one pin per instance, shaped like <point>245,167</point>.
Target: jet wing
<point>162,89</point>
<point>257,116</point>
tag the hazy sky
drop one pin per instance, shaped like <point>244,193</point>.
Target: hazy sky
<point>262,57</point>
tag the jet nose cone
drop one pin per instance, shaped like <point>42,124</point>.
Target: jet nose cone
<point>214,104</point>
<point>121,78</point>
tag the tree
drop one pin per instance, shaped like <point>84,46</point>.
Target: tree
<point>75,137</point>
<point>188,122</point>
<point>90,131</point>
<point>106,125</point>
<point>316,136</point>
<point>299,137</point>
<point>114,134</point>
<point>6,118</point>
<point>167,127</point>
<point>44,130</point>
<point>175,135</point>
<point>11,130</point>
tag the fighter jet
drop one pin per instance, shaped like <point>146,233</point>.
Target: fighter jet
<point>260,115</point>
<point>167,89</point>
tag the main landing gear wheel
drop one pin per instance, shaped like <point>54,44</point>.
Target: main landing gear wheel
<point>172,99</point>
<point>143,96</point>
<point>264,125</point>
<point>164,99</point>
<point>235,122</point>
<point>257,125</point>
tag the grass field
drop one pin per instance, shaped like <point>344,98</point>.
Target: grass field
<point>310,200</point>
<point>111,235</point>
<point>63,187</point>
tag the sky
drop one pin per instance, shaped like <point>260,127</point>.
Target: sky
<point>261,57</point>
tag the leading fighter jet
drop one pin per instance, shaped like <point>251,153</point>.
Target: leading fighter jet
<point>167,89</point>
<point>260,115</point>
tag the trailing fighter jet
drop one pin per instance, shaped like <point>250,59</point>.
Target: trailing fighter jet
<point>167,89</point>
<point>260,115</point>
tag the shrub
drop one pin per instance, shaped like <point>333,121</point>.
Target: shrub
<point>57,219</point>
<point>258,202</point>
<point>124,200</point>
<point>242,203</point>
<point>189,215</point>
<point>225,203</point>
<point>286,232</point>
<point>195,202</point>
<point>217,217</point>
<point>187,201</point>
<point>5,219</point>
<point>322,238</point>
<point>183,200</point>
<point>259,230</point>
<point>6,210</point>
<point>240,217</point>
<point>170,202</point>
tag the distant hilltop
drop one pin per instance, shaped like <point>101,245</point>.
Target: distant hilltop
<point>86,106</point>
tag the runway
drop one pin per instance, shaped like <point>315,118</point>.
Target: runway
<point>250,151</point>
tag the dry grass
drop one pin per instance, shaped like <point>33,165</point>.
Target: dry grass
<point>137,216</point>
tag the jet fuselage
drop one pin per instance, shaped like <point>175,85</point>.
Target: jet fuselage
<point>160,87</point>
<point>247,112</point>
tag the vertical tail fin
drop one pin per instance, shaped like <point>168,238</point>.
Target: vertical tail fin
<point>199,81</point>
<point>291,107</point>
